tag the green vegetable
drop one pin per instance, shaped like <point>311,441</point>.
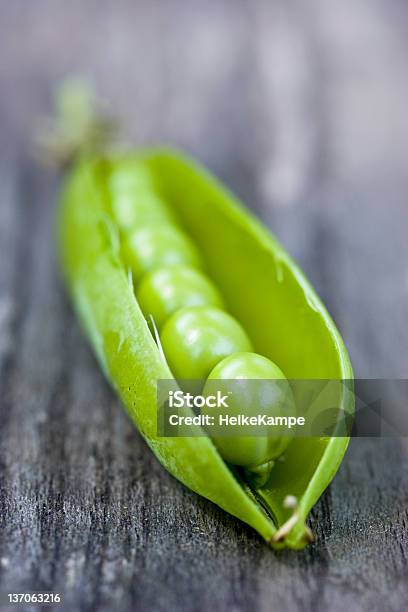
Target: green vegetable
<point>117,221</point>
<point>136,208</point>
<point>195,339</point>
<point>151,246</point>
<point>165,290</point>
<point>256,393</point>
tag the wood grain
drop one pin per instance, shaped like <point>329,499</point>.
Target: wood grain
<point>301,108</point>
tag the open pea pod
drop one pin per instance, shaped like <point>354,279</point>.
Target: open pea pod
<point>262,287</point>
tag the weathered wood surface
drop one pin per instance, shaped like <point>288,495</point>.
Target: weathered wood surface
<point>301,108</point>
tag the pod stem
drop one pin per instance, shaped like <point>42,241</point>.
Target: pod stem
<point>80,125</point>
<point>292,503</point>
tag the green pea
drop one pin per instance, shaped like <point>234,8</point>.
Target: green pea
<point>165,290</point>
<point>254,393</point>
<point>194,340</point>
<point>137,208</point>
<point>150,247</point>
<point>128,177</point>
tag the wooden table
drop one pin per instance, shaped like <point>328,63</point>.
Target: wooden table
<point>301,108</point>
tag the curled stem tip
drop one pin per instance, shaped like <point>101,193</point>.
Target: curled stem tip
<point>290,502</point>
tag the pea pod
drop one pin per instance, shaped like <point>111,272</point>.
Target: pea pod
<point>261,287</point>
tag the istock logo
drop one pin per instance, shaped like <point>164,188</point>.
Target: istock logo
<point>178,399</point>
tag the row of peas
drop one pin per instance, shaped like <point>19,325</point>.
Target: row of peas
<point>200,340</point>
